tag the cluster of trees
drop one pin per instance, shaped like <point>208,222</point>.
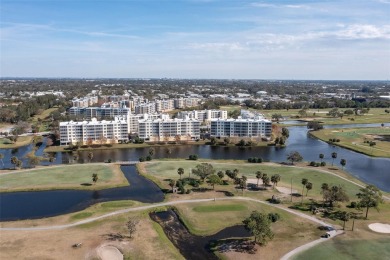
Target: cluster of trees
<point>28,108</point>
<point>259,225</point>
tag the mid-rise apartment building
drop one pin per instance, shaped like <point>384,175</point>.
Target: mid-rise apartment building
<point>164,105</point>
<point>186,102</point>
<point>146,108</point>
<point>85,101</point>
<point>104,112</point>
<point>94,131</point>
<point>203,115</point>
<point>166,129</point>
<point>256,127</point>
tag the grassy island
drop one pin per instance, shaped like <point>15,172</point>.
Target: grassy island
<point>63,177</point>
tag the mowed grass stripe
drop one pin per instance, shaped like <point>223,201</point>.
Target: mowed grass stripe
<point>219,208</point>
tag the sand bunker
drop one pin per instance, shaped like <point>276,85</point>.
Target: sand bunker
<point>109,253</point>
<point>380,228</point>
<point>285,190</point>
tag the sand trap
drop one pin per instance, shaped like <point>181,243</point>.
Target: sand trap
<point>380,228</point>
<point>285,190</point>
<point>109,253</point>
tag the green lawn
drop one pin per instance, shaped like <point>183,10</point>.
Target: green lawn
<point>22,141</point>
<point>349,250</point>
<point>69,176</point>
<point>163,170</point>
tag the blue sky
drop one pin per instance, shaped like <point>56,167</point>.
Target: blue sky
<point>233,39</point>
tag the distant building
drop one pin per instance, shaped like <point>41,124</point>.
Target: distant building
<point>146,108</point>
<point>256,127</point>
<point>85,101</point>
<point>203,115</point>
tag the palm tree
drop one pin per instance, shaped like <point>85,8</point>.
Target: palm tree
<point>343,162</point>
<point>334,156</point>
<point>180,171</point>
<point>90,156</point>
<point>259,175</point>
<point>95,177</point>
<point>52,159</point>
<point>308,186</point>
<point>304,182</point>
<point>275,179</point>
<point>324,189</point>
<point>151,152</point>
<point>172,183</point>
<point>321,156</point>
<point>1,158</point>
<point>345,216</point>
<point>14,160</point>
<point>265,179</point>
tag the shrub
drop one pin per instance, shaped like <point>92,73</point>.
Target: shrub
<point>142,159</point>
<point>323,164</point>
<point>193,157</point>
<point>273,217</point>
<point>337,140</point>
<point>259,160</point>
<point>318,164</point>
<point>312,163</point>
<point>188,191</point>
<point>148,158</point>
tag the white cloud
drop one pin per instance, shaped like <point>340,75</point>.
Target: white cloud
<point>268,5</point>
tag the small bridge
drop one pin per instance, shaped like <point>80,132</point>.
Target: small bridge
<point>126,162</point>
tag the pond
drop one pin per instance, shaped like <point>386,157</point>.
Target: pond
<point>39,204</point>
<point>368,169</point>
<point>194,247</point>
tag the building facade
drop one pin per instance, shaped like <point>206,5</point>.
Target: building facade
<point>256,127</point>
<point>166,129</point>
<point>203,115</point>
<point>94,131</point>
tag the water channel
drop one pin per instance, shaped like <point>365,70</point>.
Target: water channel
<point>190,246</point>
<point>39,204</point>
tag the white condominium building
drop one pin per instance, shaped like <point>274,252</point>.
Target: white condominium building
<point>164,105</point>
<point>256,127</point>
<point>166,129</point>
<point>186,102</point>
<point>94,131</point>
<point>133,120</point>
<point>85,101</point>
<point>203,115</point>
<point>146,108</point>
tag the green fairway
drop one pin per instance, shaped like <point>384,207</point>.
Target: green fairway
<point>374,115</point>
<point>339,249</point>
<point>358,139</point>
<point>69,176</point>
<point>167,169</point>
<point>219,208</point>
